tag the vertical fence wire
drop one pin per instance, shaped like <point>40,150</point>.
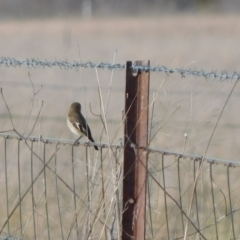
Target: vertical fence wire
<point>230,201</point>
<point>149,206</point>
<point>19,187</point>
<point>32,190</point>
<point>180,192</point>
<point>74,195</point>
<point>196,192</point>
<point>57,193</point>
<point>118,193</point>
<point>103,190</point>
<point>88,167</point>
<point>213,202</point>
<point>165,196</point>
<point>6,184</point>
<point>46,191</point>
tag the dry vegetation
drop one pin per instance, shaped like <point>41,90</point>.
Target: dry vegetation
<point>182,105</point>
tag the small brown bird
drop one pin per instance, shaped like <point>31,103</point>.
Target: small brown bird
<point>77,123</point>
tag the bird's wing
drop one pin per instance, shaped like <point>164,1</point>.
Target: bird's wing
<point>77,125</point>
<point>85,129</point>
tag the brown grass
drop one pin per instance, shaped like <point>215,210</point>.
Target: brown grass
<point>201,41</point>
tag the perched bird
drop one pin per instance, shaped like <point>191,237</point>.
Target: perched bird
<point>77,123</point>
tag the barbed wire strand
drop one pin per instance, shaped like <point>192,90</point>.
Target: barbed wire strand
<point>34,63</point>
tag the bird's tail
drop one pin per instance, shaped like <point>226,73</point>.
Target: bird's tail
<point>91,139</point>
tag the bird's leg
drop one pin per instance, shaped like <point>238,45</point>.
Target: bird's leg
<point>79,138</point>
<point>76,141</point>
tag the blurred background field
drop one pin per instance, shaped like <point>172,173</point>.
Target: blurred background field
<point>209,42</point>
<point>178,34</point>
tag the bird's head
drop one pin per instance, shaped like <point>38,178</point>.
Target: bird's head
<point>76,106</point>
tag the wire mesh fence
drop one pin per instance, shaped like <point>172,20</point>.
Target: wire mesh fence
<point>57,191</point>
<point>181,206</point>
<point>53,189</point>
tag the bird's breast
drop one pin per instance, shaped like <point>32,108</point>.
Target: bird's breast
<point>73,128</point>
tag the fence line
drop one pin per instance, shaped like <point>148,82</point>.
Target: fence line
<point>34,63</point>
<point>53,210</point>
<point>95,191</point>
<point>194,157</point>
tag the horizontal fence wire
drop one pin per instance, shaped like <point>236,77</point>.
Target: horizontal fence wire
<point>194,157</point>
<point>53,189</point>
<point>34,63</point>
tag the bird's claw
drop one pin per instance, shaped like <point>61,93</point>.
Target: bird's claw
<point>76,143</point>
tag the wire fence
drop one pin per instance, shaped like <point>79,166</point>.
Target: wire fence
<point>54,189</point>
<point>214,199</point>
<point>57,189</point>
<point>34,63</point>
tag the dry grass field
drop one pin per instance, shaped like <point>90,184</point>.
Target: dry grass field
<point>201,42</point>
<point>190,105</point>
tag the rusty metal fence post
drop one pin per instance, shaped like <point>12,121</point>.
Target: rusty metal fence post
<point>135,158</point>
